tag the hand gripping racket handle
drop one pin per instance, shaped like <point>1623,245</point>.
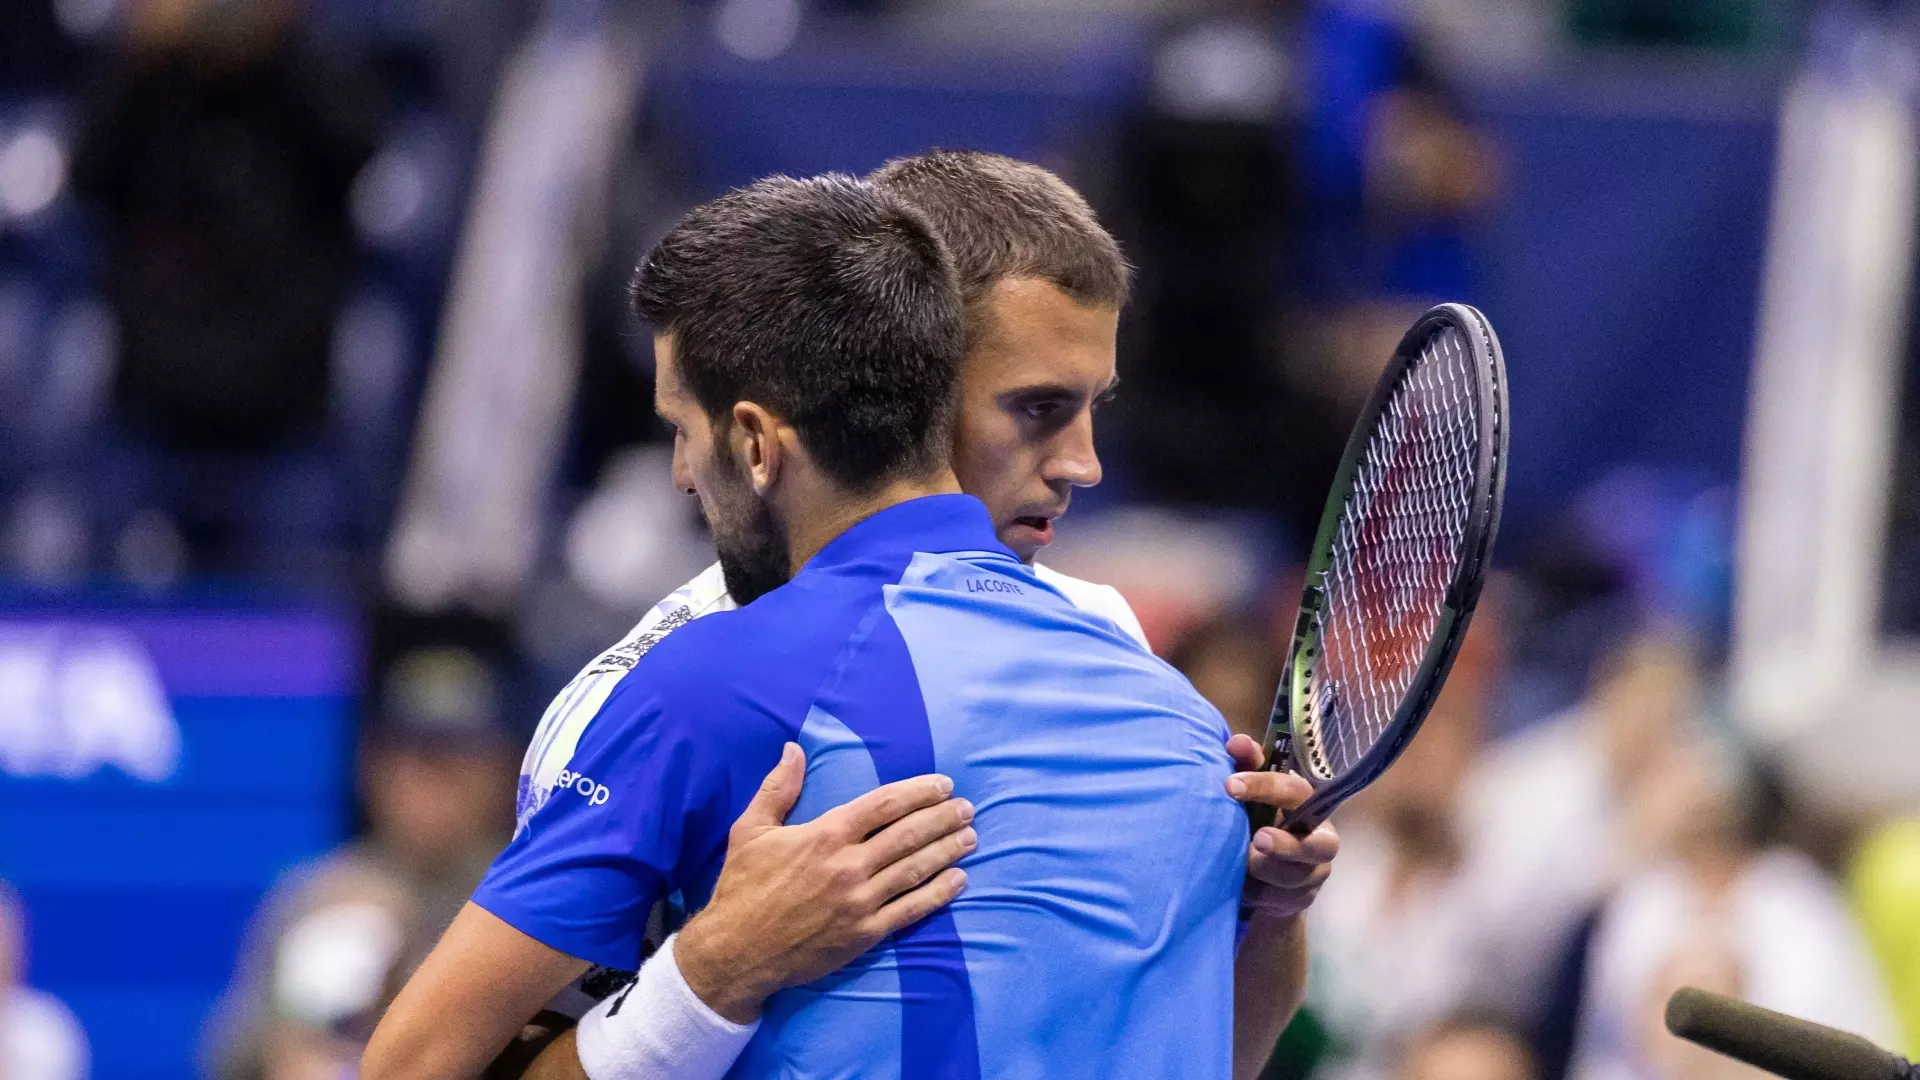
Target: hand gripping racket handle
<point>1299,822</point>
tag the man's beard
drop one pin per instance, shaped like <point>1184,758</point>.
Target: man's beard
<point>754,557</point>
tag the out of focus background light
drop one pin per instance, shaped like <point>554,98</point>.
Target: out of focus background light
<point>757,29</point>
<point>33,170</point>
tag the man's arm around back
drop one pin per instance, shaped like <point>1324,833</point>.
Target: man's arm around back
<point>793,902</point>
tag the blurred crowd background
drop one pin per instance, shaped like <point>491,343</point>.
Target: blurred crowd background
<point>326,455</point>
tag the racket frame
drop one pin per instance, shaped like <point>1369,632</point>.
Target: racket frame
<point>1285,746</point>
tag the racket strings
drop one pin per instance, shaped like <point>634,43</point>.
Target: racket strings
<point>1394,553</point>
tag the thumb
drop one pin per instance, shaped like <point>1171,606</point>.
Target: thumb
<point>778,792</point>
<point>1246,753</point>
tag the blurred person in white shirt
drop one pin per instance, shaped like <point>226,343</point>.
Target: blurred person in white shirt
<point>1725,909</point>
<point>39,1037</point>
<point>1562,811</point>
<point>1470,871</point>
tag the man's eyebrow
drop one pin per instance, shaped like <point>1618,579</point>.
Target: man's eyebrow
<point>1033,390</point>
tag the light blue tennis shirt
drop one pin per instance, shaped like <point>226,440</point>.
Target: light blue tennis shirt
<point>1095,937</point>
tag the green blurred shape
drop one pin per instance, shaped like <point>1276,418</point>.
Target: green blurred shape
<point>1883,881</point>
<point>1301,1048</point>
<point>1700,24</point>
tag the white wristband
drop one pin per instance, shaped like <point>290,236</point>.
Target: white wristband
<point>659,1030</point>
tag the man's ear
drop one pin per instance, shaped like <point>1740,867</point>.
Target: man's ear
<point>756,443</point>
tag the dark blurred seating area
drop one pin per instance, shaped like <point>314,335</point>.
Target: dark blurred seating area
<point>314,339</point>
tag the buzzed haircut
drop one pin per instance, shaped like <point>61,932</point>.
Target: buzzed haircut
<point>828,301</point>
<point>1003,218</point>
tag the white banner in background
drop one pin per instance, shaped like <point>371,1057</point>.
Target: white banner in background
<point>1810,675</point>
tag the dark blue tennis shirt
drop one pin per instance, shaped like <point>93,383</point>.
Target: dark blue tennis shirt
<point>1096,933</point>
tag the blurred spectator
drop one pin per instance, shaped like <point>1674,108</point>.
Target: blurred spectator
<point>1728,911</point>
<point>335,939</point>
<point>1297,164</point>
<point>1883,882</point>
<point>39,1038</point>
<point>1562,810</point>
<point>218,152</point>
<point>1235,664</point>
<point>1469,1046</point>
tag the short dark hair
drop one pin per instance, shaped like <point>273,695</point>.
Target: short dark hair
<point>828,301</point>
<point>1003,218</point>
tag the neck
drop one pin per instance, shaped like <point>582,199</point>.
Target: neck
<point>813,523</point>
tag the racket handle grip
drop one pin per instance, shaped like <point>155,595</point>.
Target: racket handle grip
<point>1260,815</point>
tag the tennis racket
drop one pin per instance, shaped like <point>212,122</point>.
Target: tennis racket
<point>1397,565</point>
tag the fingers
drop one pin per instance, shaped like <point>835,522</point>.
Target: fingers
<point>1318,846</point>
<point>778,792</point>
<point>909,908</point>
<point>1296,891</point>
<point>915,831</point>
<point>1285,872</point>
<point>885,805</point>
<point>1285,900</point>
<point>923,863</point>
<point>1246,753</point>
<point>1282,859</point>
<point>1282,790</point>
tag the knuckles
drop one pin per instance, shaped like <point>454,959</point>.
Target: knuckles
<point>845,875</point>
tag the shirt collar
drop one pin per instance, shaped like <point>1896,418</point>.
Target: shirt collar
<point>936,523</point>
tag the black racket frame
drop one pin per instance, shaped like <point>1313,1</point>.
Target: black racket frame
<point>1283,744</point>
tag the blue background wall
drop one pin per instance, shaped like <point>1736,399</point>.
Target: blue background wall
<point>137,890</point>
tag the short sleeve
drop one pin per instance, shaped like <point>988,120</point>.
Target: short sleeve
<point>588,864</point>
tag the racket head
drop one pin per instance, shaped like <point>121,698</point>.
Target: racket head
<point>1398,563</point>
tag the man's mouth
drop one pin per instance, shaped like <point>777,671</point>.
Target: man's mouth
<point>1041,527</point>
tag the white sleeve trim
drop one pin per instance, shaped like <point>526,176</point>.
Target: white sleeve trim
<point>1102,600</point>
<point>659,1030</point>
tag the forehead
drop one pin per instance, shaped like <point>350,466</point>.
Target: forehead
<point>666,374</point>
<point>1031,331</point>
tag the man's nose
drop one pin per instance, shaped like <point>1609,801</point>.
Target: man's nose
<point>682,472</point>
<point>1074,459</point>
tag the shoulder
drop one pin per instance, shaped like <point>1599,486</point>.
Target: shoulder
<point>1102,600</point>
<point>580,704</point>
<point>705,595</point>
<point>765,660</point>
<point>779,636</point>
